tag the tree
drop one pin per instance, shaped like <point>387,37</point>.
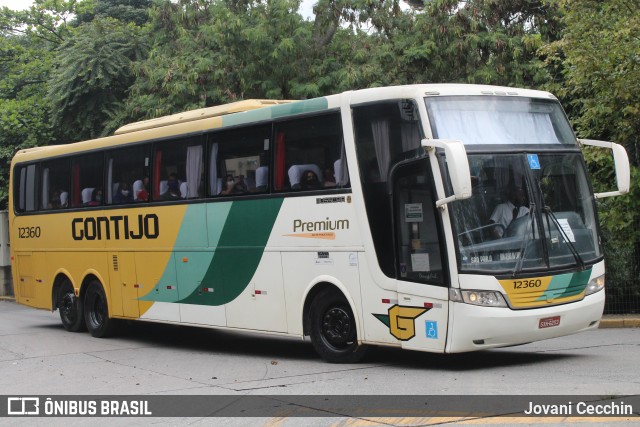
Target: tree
<point>601,51</point>
<point>126,11</point>
<point>92,76</point>
<point>483,41</point>
<point>27,45</point>
<point>597,64</point>
<point>206,53</point>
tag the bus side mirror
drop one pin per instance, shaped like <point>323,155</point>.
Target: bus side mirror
<point>457,166</point>
<point>621,161</point>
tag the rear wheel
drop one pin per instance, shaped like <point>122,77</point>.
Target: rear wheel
<point>333,329</point>
<point>96,312</point>
<point>71,309</point>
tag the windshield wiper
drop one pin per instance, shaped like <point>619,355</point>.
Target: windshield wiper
<point>523,244</point>
<point>564,235</point>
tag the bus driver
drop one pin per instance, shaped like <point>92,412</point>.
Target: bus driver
<point>507,212</point>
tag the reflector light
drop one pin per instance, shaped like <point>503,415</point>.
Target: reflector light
<point>386,301</point>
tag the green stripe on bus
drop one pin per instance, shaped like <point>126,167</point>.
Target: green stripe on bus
<point>309,106</point>
<point>235,260</point>
<point>282,110</point>
<point>566,285</point>
<point>238,234</point>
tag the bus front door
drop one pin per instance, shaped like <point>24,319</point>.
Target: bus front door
<point>422,312</point>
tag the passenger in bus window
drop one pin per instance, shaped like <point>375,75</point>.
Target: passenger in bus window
<point>141,190</point>
<point>54,200</point>
<point>309,181</point>
<point>173,191</point>
<point>241,184</point>
<point>329,178</point>
<point>123,195</point>
<point>230,186</point>
<point>96,197</point>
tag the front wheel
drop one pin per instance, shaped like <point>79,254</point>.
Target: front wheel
<point>71,309</point>
<point>96,312</point>
<point>333,329</point>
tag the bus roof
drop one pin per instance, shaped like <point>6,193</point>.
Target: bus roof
<point>242,112</point>
<point>199,114</point>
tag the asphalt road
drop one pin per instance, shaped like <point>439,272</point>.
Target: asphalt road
<point>38,357</point>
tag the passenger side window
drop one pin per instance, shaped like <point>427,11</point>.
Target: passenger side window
<point>25,188</point>
<point>386,133</point>
<point>56,183</point>
<point>87,173</point>
<point>239,161</point>
<point>178,170</point>
<point>309,154</point>
<point>128,172</point>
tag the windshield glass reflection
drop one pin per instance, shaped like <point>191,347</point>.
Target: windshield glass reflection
<point>519,218</point>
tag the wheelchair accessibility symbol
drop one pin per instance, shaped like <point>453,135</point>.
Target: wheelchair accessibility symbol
<point>431,329</point>
<point>534,163</point>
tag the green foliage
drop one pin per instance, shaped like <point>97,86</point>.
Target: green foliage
<point>601,50</point>
<point>93,75</point>
<point>486,41</point>
<point>617,214</point>
<point>44,21</point>
<point>596,71</point>
<point>26,56</point>
<point>210,52</point>
<point>39,75</point>
<point>125,11</point>
<point>206,53</point>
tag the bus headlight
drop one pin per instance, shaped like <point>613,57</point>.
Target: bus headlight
<point>477,297</point>
<point>595,285</point>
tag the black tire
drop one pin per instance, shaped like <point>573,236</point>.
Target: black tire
<point>96,312</point>
<point>333,329</point>
<point>71,308</point>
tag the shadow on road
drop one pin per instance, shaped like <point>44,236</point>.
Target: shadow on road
<point>241,343</point>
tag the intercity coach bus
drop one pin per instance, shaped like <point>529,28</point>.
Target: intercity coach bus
<point>441,218</point>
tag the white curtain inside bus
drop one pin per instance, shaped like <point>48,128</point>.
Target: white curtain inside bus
<point>451,119</point>
<point>194,170</point>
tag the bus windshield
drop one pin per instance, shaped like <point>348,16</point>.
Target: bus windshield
<point>527,212</point>
<point>499,120</point>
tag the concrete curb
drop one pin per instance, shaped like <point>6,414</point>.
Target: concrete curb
<point>620,321</point>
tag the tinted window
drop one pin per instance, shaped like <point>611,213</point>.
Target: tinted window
<point>179,169</point>
<point>25,188</point>
<point>128,175</point>
<point>87,176</point>
<point>56,183</point>
<point>309,154</point>
<point>386,133</point>
<point>239,161</point>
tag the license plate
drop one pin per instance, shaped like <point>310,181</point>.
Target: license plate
<point>549,322</point>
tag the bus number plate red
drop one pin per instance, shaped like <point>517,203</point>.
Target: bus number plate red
<point>549,322</point>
